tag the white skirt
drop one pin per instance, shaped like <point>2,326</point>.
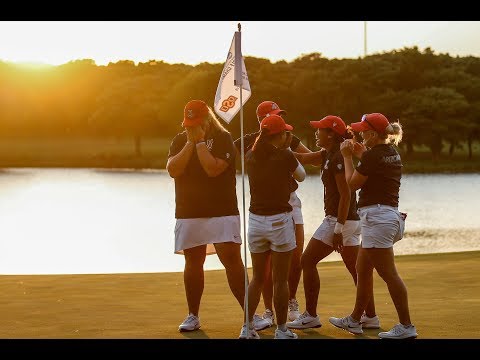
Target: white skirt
<point>190,233</point>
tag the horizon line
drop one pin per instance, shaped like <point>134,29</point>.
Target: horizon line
<point>25,63</point>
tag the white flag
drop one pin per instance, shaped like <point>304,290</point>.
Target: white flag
<point>227,98</point>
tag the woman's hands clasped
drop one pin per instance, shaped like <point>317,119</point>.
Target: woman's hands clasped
<point>195,134</point>
<point>351,147</point>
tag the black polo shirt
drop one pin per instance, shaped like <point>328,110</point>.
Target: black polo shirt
<point>383,166</point>
<point>249,140</point>
<point>270,180</point>
<point>332,165</point>
<point>196,194</point>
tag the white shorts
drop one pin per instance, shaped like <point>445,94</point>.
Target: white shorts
<point>382,226</point>
<point>297,208</point>
<point>271,232</point>
<point>350,232</point>
<point>190,233</point>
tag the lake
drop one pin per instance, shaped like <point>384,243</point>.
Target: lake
<point>87,221</point>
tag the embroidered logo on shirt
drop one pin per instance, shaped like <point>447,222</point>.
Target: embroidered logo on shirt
<point>391,159</point>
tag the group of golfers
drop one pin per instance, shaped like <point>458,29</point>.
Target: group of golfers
<point>201,160</point>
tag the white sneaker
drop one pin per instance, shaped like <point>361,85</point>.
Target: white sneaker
<point>293,312</point>
<point>347,324</point>
<point>190,323</point>
<point>269,316</point>
<point>289,334</point>
<point>369,322</point>
<point>399,331</point>
<point>305,321</point>
<point>259,323</point>
<point>252,333</point>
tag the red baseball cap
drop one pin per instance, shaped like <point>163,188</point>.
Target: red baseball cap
<point>267,108</point>
<point>194,113</point>
<point>331,122</point>
<point>375,121</point>
<point>274,124</point>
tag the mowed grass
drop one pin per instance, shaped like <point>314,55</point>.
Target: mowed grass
<point>444,295</point>
<point>83,152</point>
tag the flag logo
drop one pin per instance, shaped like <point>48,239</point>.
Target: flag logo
<point>233,79</point>
<point>228,103</point>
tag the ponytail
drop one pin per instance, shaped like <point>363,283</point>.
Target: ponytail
<point>260,140</point>
<point>258,148</point>
<point>340,138</point>
<point>394,133</point>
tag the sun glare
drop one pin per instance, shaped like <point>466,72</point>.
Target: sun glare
<point>38,43</point>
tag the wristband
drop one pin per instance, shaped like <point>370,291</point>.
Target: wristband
<point>200,142</point>
<point>338,228</point>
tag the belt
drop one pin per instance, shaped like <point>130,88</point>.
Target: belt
<point>377,206</point>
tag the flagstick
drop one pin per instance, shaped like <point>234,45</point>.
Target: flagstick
<point>225,99</point>
<point>242,157</point>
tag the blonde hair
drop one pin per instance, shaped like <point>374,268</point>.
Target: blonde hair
<point>213,121</point>
<point>393,133</point>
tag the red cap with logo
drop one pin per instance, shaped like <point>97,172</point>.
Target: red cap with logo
<point>375,121</point>
<point>274,124</point>
<point>194,113</point>
<point>268,108</point>
<point>331,122</point>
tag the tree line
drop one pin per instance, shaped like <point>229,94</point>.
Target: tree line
<point>436,97</point>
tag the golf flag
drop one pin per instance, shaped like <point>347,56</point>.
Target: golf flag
<point>234,76</point>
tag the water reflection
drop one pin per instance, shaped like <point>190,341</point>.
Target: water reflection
<point>101,221</point>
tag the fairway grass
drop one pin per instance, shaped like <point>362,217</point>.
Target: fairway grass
<point>443,291</point>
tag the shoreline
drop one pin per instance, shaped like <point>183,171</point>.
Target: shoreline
<point>336,259</point>
<point>156,165</point>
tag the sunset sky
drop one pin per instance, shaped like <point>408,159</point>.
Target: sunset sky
<point>57,42</point>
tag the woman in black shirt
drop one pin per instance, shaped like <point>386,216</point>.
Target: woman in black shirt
<point>202,162</point>
<point>378,175</point>
<point>271,229</point>
<point>340,229</point>
<point>265,109</point>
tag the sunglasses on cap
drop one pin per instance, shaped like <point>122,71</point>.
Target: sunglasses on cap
<point>364,118</point>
